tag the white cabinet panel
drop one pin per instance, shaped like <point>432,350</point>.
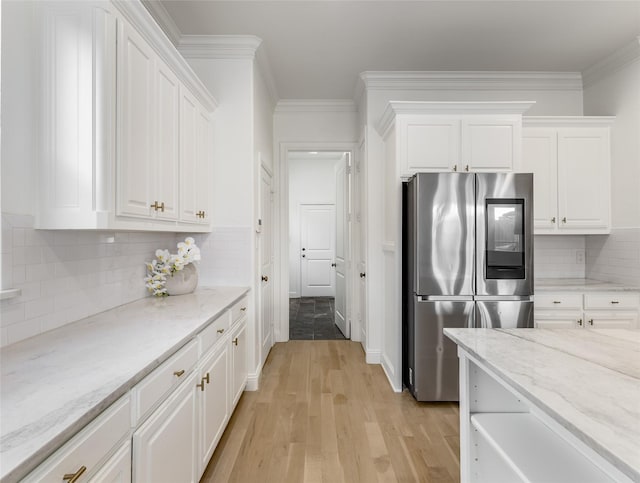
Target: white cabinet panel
<point>165,168</point>
<point>214,402</point>
<point>164,447</point>
<point>136,122</point>
<point>611,320</point>
<point>539,156</point>
<point>583,173</point>
<point>490,144</point>
<point>188,156</point>
<point>238,362</point>
<point>433,145</point>
<point>117,469</point>
<point>558,321</point>
<point>204,181</point>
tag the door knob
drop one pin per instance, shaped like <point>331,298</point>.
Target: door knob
<point>265,278</point>
<point>304,256</point>
<point>362,274</point>
<point>303,249</point>
<point>333,265</point>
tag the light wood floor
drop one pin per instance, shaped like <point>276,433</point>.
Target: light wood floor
<point>323,415</point>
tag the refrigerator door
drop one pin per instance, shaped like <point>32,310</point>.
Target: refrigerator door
<point>504,314</point>
<point>504,240</point>
<point>433,358</point>
<point>440,221</point>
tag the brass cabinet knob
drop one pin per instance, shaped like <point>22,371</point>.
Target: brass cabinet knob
<point>158,206</point>
<point>265,278</point>
<point>235,341</point>
<point>580,322</point>
<point>564,219</point>
<point>466,168</point>
<point>243,309</point>
<point>591,322</point>
<point>178,373</point>
<point>362,274</point>
<point>220,331</point>
<point>201,214</point>
<point>553,220</point>
<point>455,167</point>
<point>73,477</point>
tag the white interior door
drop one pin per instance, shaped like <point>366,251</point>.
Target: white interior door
<point>317,239</point>
<point>342,248</point>
<point>266,263</point>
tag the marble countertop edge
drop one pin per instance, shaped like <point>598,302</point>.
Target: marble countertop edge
<point>543,285</point>
<point>615,460</point>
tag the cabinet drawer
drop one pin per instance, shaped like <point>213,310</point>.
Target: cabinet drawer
<point>213,333</point>
<point>558,301</point>
<point>153,387</point>
<point>239,310</point>
<point>89,447</point>
<point>612,300</point>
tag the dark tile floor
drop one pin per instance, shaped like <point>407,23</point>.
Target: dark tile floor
<point>312,318</point>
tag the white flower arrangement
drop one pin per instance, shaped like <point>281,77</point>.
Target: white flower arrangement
<point>165,265</point>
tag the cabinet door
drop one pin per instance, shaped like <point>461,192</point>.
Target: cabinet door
<point>239,362</point>
<point>188,156</point>
<point>611,320</point>
<point>214,403</point>
<point>164,447</point>
<point>203,162</point>
<point>117,469</point>
<point>166,163</point>
<point>558,320</point>
<point>432,145</point>
<point>540,157</point>
<point>490,144</point>
<point>583,179</point>
<point>136,122</point>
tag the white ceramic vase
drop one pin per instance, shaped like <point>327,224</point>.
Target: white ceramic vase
<point>184,281</point>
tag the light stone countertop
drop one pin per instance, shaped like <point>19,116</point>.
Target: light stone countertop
<point>579,285</point>
<point>586,380</point>
<point>54,384</point>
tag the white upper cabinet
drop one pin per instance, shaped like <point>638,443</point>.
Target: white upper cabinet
<point>188,156</point>
<point>110,104</point>
<point>454,136</point>
<point>570,162</point>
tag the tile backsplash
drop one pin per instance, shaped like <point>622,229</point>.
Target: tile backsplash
<point>559,256</point>
<point>67,275</point>
<point>615,257</point>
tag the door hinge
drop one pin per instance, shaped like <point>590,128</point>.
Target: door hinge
<point>348,170</point>
<point>410,376</point>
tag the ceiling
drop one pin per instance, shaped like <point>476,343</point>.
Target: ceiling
<point>316,49</point>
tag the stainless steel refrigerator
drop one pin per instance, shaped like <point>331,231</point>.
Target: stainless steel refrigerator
<point>467,262</point>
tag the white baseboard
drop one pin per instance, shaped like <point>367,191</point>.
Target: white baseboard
<point>373,357</point>
<point>253,382</point>
<point>389,371</point>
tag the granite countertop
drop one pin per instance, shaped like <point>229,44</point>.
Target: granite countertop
<point>54,384</point>
<point>580,285</point>
<point>586,380</point>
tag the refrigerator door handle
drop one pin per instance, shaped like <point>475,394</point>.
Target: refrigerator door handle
<point>445,298</point>
<point>498,298</point>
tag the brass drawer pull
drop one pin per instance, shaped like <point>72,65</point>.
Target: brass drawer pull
<point>206,378</point>
<point>243,309</point>
<point>580,322</point>
<point>615,302</point>
<point>564,219</point>
<point>220,331</point>
<point>466,168</point>
<point>201,385</point>
<point>553,220</point>
<point>73,477</point>
<point>557,302</point>
<point>455,167</point>
<point>178,373</point>
<point>590,321</point>
<point>235,341</point>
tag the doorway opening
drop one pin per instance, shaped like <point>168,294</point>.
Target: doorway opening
<point>319,244</point>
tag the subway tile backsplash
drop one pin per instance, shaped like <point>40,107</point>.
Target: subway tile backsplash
<point>615,257</point>
<point>559,256</point>
<point>67,275</point>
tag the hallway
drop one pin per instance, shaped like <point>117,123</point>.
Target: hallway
<point>312,318</point>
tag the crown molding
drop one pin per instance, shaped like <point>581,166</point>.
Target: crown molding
<point>567,121</point>
<point>163,19</point>
<point>316,105</point>
<point>612,63</point>
<point>468,80</point>
<point>219,46</point>
<point>142,20</point>
<point>264,67</point>
<point>395,108</point>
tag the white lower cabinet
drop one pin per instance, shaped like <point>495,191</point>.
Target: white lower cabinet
<point>164,447</point>
<point>238,361</point>
<point>594,310</point>
<point>214,408</point>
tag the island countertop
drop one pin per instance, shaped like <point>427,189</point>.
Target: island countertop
<point>54,384</point>
<point>586,380</point>
<point>580,285</point>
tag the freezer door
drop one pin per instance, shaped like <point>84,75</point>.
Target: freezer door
<point>441,233</point>
<point>504,314</point>
<point>434,365</point>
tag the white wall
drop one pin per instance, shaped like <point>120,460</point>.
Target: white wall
<point>613,88</point>
<point>382,325</point>
<point>311,181</point>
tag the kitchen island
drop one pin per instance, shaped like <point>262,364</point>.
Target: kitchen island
<point>57,383</point>
<point>549,405</point>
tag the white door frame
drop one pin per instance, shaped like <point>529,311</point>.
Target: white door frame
<point>281,238</point>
